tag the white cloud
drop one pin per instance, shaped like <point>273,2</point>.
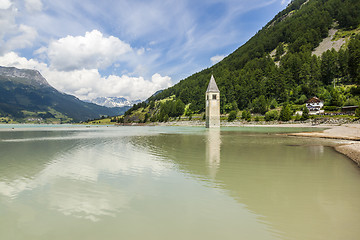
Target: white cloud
<point>134,87</point>
<point>33,5</point>
<point>90,51</point>
<point>14,36</point>
<point>24,38</point>
<point>5,4</point>
<point>12,59</point>
<point>88,83</point>
<point>285,2</point>
<point>217,58</point>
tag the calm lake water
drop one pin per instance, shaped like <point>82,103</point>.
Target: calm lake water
<point>173,183</point>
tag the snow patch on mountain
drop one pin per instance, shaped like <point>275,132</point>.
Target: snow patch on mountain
<point>114,102</point>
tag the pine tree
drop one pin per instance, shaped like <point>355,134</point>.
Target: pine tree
<point>285,113</point>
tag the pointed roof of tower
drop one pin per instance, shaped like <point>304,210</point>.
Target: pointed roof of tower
<point>212,87</point>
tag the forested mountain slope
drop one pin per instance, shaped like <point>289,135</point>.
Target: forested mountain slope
<point>277,63</point>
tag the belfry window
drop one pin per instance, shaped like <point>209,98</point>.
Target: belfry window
<point>214,96</point>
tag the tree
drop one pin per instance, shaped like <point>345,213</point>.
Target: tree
<point>228,107</point>
<point>152,105</point>
<point>285,113</point>
<point>305,114</point>
<point>259,105</point>
<point>354,59</point>
<point>336,98</point>
<point>179,108</point>
<point>273,104</point>
<point>279,51</point>
<point>328,66</point>
<point>146,117</point>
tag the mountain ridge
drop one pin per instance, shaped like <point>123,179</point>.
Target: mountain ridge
<point>34,76</point>
<point>25,94</point>
<point>114,102</point>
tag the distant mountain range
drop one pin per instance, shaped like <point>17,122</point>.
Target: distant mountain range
<point>114,102</point>
<point>26,95</point>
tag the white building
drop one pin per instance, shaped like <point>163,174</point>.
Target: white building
<point>212,108</point>
<point>314,105</point>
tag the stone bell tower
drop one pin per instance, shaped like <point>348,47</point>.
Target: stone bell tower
<point>212,108</point>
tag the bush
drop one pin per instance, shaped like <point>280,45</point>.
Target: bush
<point>246,115</point>
<point>357,112</point>
<point>331,108</point>
<point>232,116</point>
<point>271,115</point>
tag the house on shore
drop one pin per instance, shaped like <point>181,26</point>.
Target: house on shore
<point>314,105</point>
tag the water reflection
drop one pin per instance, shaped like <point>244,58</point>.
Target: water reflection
<point>285,181</point>
<point>78,170</point>
<point>213,148</point>
<point>266,186</point>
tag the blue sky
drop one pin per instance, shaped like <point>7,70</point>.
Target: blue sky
<point>124,48</point>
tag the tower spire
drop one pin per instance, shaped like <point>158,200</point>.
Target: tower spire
<point>212,108</point>
<point>212,87</point>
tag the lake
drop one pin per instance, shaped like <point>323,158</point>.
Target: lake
<point>77,182</point>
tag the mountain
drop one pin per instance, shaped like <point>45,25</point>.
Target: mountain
<point>279,65</point>
<point>114,102</point>
<point>26,94</point>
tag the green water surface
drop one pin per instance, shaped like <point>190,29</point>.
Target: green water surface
<point>79,182</point>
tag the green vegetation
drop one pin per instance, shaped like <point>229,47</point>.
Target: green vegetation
<point>271,115</point>
<point>285,113</point>
<point>246,115</point>
<point>305,114</point>
<point>232,116</point>
<point>250,80</point>
<point>30,99</point>
<point>101,121</point>
<point>357,113</point>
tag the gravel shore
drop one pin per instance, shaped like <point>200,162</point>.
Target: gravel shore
<point>349,132</point>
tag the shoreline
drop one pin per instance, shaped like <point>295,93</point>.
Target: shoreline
<point>350,132</point>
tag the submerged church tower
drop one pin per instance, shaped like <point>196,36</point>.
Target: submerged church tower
<point>212,108</point>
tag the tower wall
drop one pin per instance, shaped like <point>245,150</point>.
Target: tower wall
<point>212,109</point>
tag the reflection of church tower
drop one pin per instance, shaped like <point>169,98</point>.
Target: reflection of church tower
<point>213,150</point>
<point>212,107</point>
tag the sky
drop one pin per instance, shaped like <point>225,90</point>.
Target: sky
<point>125,48</point>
